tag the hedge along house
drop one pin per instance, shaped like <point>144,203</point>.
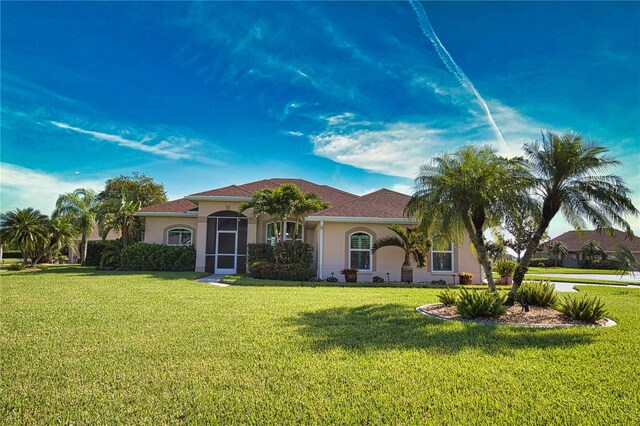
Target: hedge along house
<point>341,235</point>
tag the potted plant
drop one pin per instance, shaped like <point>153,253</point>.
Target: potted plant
<point>506,268</point>
<point>466,278</point>
<point>350,275</point>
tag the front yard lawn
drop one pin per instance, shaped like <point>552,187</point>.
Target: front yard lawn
<point>80,346</point>
<point>543,270</point>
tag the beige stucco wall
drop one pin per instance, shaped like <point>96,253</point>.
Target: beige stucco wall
<point>387,259</point>
<point>155,228</point>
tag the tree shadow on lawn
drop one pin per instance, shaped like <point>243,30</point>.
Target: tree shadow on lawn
<point>92,272</point>
<point>394,326</point>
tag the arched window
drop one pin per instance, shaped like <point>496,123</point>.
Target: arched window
<point>441,256</point>
<point>179,237</point>
<point>288,235</point>
<point>360,251</point>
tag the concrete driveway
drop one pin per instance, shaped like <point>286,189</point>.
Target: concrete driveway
<point>633,278</point>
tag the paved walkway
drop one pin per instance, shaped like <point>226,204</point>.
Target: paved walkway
<point>609,277</point>
<point>568,287</point>
<point>213,280</point>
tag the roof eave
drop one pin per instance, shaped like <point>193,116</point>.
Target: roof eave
<point>348,219</point>
<point>167,214</point>
<point>197,198</point>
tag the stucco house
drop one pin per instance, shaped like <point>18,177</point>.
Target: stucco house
<point>341,235</point>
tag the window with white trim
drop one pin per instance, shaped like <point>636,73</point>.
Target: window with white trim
<point>179,237</point>
<point>442,256</point>
<point>360,251</point>
<point>288,235</point>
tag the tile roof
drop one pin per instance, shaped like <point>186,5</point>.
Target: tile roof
<point>176,206</point>
<point>383,203</point>
<point>329,194</point>
<point>574,242</point>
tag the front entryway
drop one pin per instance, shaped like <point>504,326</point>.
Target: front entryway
<point>226,251</point>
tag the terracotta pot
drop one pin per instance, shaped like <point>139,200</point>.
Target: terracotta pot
<point>465,280</point>
<point>351,278</point>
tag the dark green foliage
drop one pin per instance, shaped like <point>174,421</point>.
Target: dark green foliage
<point>589,309</point>
<point>95,249</point>
<point>448,297</point>
<point>537,293</point>
<point>332,280</point>
<point>260,253</point>
<point>111,256</point>
<point>288,260</point>
<point>158,257</point>
<point>480,304</point>
<point>543,262</point>
<point>12,254</point>
<point>600,264</point>
<point>293,252</point>
<point>505,268</point>
<point>273,271</point>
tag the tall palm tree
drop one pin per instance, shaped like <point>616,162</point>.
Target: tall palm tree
<point>119,215</point>
<point>467,192</point>
<point>567,175</point>
<point>413,241</point>
<point>626,261</point>
<point>27,228</point>
<point>558,250</point>
<point>80,208</point>
<point>591,249</point>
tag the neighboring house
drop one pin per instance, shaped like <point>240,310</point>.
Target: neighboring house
<point>574,243</point>
<point>341,235</point>
<point>74,253</point>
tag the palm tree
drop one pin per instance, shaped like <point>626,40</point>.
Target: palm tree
<point>467,192</point>
<point>415,244</point>
<point>308,202</point>
<point>119,215</point>
<point>627,262</point>
<point>558,250</point>
<point>80,208</point>
<point>27,228</point>
<point>567,175</point>
<point>278,203</point>
<point>591,249</point>
<point>60,234</point>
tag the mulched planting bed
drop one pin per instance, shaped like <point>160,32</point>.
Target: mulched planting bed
<point>536,317</point>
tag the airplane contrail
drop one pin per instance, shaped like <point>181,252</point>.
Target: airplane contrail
<point>454,68</point>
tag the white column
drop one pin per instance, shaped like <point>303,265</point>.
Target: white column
<point>321,250</point>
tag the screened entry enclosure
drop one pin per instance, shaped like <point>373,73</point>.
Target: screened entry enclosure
<point>226,251</point>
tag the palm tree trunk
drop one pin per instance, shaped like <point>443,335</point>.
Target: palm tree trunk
<point>125,236</point>
<point>84,245</point>
<point>523,266</point>
<point>477,238</point>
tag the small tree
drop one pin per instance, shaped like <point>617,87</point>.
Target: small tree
<point>79,208</point>
<point>26,228</point>
<point>118,215</point>
<point>558,250</point>
<point>591,250</point>
<point>413,241</point>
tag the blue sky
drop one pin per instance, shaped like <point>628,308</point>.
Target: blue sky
<point>353,94</point>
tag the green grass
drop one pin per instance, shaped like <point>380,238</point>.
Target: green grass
<point>542,270</point>
<point>579,280</point>
<point>80,346</point>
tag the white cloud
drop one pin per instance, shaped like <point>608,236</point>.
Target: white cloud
<point>172,147</point>
<point>23,187</point>
<point>294,133</point>
<point>395,149</point>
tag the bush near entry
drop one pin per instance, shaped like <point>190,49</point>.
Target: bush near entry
<point>158,257</point>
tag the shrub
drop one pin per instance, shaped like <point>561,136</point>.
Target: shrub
<point>505,268</point>
<point>12,254</point>
<point>480,303</point>
<point>448,297</point>
<point>294,272</point>
<point>537,293</point>
<point>600,264</point>
<point>15,266</point>
<point>157,257</point>
<point>544,262</point>
<point>378,279</point>
<point>589,309</point>
<point>259,253</point>
<point>111,256</point>
<point>95,249</point>
<point>264,270</point>
<point>332,280</point>
<point>293,253</point>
